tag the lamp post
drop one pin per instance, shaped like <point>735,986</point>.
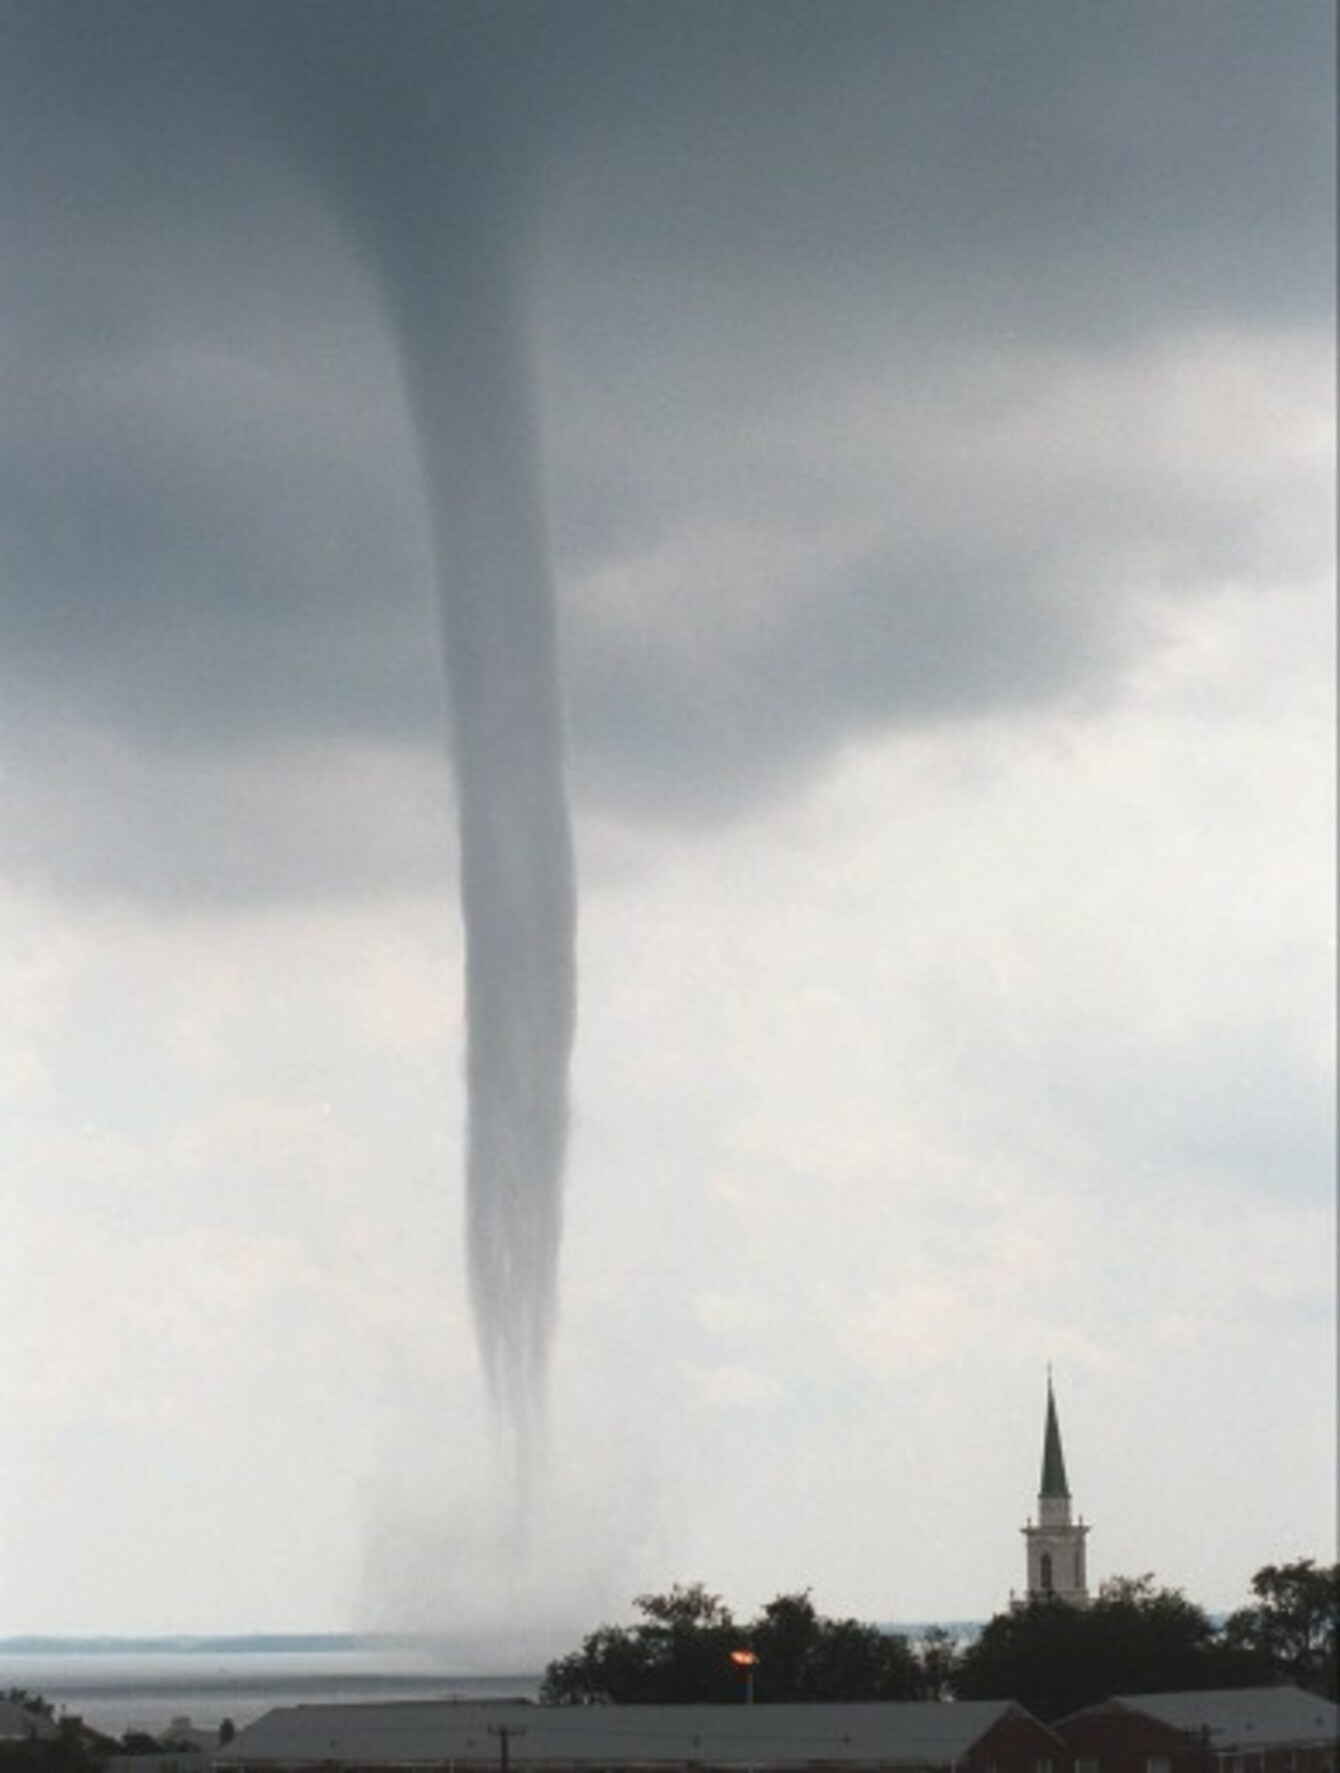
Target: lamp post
<point>746,1660</point>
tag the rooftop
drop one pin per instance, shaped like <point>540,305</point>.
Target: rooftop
<point>412,1733</point>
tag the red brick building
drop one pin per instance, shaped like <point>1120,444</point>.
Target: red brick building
<point>1251,1730</point>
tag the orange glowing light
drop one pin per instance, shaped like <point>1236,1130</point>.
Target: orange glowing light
<point>744,1658</point>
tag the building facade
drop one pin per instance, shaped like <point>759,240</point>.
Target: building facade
<point>1242,1730</point>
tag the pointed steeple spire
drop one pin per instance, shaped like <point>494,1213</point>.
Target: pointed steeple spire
<point>1056,1558</point>
<point>1053,1460</point>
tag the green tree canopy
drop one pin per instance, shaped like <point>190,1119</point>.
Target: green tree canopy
<point>681,1651</point>
<point>60,1749</point>
<point>937,1654</point>
<point>1294,1624</point>
<point>24,1697</point>
<point>1047,1655</point>
<point>1135,1637</point>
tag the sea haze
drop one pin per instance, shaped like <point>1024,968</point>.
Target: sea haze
<point>118,1684</point>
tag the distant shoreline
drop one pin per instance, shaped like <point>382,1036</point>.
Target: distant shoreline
<point>119,1682</point>
<point>190,1643</point>
<point>332,1643</point>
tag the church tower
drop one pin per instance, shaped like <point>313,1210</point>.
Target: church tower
<point>1056,1544</point>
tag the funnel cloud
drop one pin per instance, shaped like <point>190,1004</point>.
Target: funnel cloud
<point>433,191</point>
<point>517,886</point>
<point>872,462</point>
<point>465,370</point>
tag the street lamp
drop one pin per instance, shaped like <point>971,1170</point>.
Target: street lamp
<point>746,1660</point>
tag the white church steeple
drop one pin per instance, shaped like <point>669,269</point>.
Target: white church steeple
<point>1056,1563</point>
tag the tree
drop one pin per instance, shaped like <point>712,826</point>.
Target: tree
<point>63,1753</point>
<point>1294,1625</point>
<point>55,1747</point>
<point>29,1701</point>
<point>783,1639</point>
<point>689,1608</point>
<point>1054,1658</point>
<point>937,1655</point>
<point>852,1661</point>
<point>681,1651</point>
<point>803,1656</point>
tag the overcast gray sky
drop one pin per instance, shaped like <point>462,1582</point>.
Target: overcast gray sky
<point>937,432</point>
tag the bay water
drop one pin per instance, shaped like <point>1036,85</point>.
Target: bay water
<point>147,1684</point>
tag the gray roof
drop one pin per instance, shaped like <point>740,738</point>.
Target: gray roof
<point>1246,1717</point>
<point>920,1734</point>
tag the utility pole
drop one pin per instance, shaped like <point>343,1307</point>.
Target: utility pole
<point>505,1733</point>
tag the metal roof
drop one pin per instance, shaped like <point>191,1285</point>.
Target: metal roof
<point>418,1732</point>
<point>1245,1717</point>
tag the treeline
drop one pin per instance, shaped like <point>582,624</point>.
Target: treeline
<point>49,1744</point>
<point>1133,1637</point>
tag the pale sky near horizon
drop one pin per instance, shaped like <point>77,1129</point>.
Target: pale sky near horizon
<point>937,429</point>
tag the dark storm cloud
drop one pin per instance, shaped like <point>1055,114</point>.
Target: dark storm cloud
<point>213,535</point>
<point>1067,168</point>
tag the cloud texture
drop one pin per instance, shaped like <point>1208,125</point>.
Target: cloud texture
<point>931,412</point>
